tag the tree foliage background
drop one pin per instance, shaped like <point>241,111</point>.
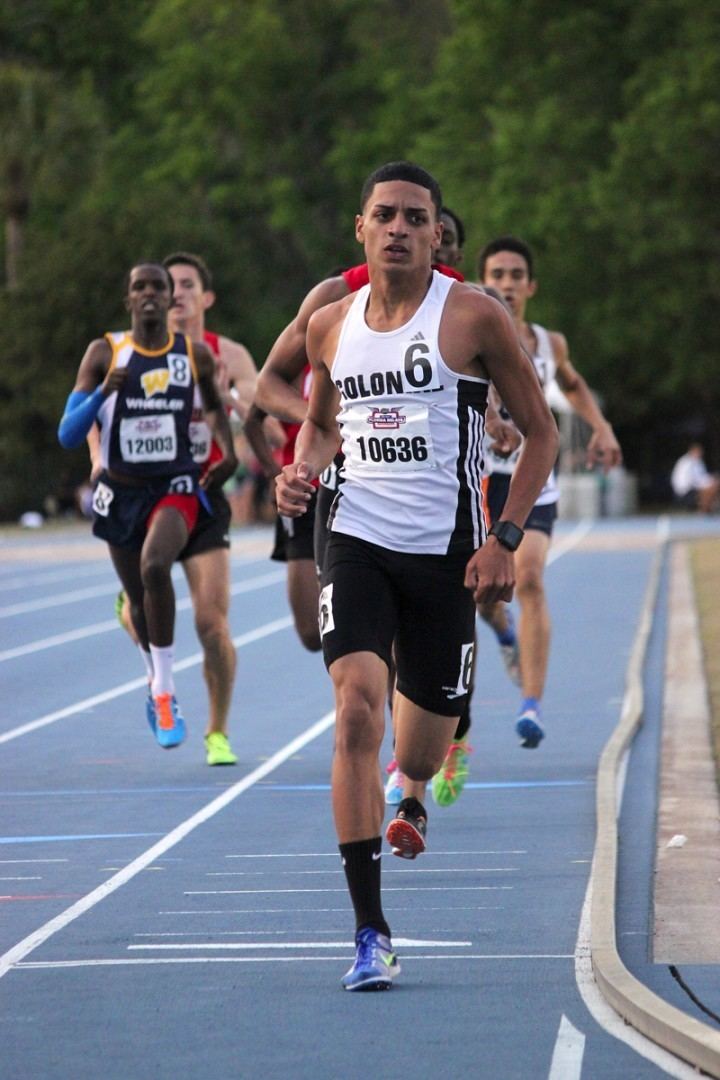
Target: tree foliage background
<point>244,131</point>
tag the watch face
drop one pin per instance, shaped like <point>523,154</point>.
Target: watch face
<point>508,534</point>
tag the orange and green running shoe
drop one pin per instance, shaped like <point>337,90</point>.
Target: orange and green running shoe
<point>448,783</point>
<point>119,605</point>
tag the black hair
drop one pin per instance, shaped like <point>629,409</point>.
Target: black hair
<point>459,227</point>
<point>402,170</point>
<point>148,262</point>
<point>505,243</point>
<point>188,259</point>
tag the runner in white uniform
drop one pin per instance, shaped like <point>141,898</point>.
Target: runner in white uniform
<point>406,416</point>
<point>404,367</point>
<point>507,264</point>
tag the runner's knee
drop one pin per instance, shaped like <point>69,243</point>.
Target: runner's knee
<point>358,723</point>
<point>529,585</point>
<point>155,571</point>
<point>212,629</point>
<point>309,633</point>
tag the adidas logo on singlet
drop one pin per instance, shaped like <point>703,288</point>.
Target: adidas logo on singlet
<point>418,337</point>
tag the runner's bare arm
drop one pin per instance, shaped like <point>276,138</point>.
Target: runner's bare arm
<point>276,392</point>
<point>255,434</point>
<point>216,417</point>
<point>478,338</point>
<point>318,439</point>
<point>603,448</point>
<point>241,373</point>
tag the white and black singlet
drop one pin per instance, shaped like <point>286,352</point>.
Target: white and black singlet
<point>544,362</point>
<point>412,432</point>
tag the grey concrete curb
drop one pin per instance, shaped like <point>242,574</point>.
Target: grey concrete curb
<point>671,1028</point>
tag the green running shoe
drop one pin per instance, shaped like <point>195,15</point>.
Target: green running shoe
<point>448,783</point>
<point>219,751</point>
<point>119,605</point>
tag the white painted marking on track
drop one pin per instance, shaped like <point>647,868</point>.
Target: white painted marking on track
<point>599,1008</point>
<point>33,940</point>
<point>136,684</point>
<point>562,547</point>
<point>604,1013</point>
<point>49,577</point>
<point>400,943</point>
<point>128,961</point>
<point>325,910</point>
<point>334,854</point>
<point>387,870</point>
<point>6,862</point>
<point>409,888</point>
<point>58,600</point>
<point>568,1053</point>
<point>38,878</point>
<point>108,625</point>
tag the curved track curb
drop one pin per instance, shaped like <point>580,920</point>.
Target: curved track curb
<point>666,1025</point>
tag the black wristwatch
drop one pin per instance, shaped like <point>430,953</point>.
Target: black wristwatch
<point>507,534</point>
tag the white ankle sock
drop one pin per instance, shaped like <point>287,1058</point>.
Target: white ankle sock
<point>162,662</point>
<point>147,661</point>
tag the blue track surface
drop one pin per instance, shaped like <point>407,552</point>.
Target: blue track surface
<point>203,938</point>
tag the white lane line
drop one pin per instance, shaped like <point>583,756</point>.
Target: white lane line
<point>224,933</point>
<point>21,950</point>
<point>253,934</point>
<point>400,943</point>
<point>597,1006</point>
<point>58,600</point>
<point>49,577</point>
<point>347,910</point>
<point>562,547</point>
<point>128,961</point>
<point>334,854</point>
<point>605,1015</point>
<point>136,684</point>
<point>37,878</point>
<point>7,862</point>
<point>568,1054</point>
<point>63,639</point>
<point>386,870</point>
<point>108,625</point>
<point>409,888</point>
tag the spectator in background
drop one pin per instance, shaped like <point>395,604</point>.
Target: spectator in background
<point>693,486</point>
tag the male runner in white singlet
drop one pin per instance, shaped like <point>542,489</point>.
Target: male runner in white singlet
<point>507,264</point>
<point>402,367</point>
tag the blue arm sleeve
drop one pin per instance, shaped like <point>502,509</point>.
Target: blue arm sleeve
<point>80,412</point>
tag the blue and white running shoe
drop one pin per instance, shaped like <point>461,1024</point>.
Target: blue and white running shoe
<point>394,784</point>
<point>150,711</point>
<point>376,964</point>
<point>529,730</point>
<point>168,725</point>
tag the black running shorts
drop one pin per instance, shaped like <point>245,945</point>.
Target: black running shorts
<point>325,499</point>
<point>294,536</point>
<point>210,533</point>
<point>540,518</point>
<point>121,511</point>
<point>372,597</point>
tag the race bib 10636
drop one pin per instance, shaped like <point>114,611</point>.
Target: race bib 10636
<point>387,439</point>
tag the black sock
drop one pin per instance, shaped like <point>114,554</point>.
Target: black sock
<point>463,723</point>
<point>361,860</point>
<point>412,807</point>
